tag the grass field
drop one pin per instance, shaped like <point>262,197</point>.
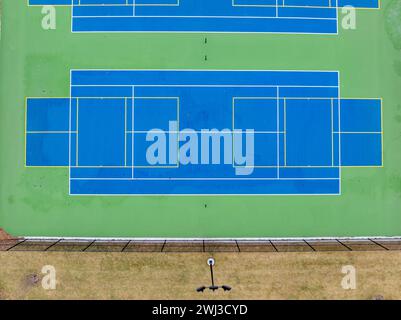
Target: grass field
<point>176,276</point>
<point>35,202</point>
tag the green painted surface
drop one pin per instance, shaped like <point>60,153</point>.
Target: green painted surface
<point>34,62</point>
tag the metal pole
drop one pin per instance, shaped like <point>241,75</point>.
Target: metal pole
<point>211,274</point>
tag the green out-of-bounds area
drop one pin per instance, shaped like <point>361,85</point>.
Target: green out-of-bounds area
<point>36,62</point>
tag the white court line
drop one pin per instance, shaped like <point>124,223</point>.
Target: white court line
<point>121,5</point>
<point>171,97</point>
<point>69,136</point>
<point>197,195</point>
<point>178,4</point>
<point>213,70</point>
<point>133,129</point>
<point>278,129</point>
<point>196,86</point>
<point>339,128</point>
<point>285,132</point>
<point>204,179</point>
<point>253,167</point>
<point>77,138</point>
<point>211,17</point>
<point>332,131</point>
<point>49,132</point>
<point>125,132</point>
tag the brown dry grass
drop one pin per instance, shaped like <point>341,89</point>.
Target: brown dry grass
<point>176,276</point>
<point>4,235</point>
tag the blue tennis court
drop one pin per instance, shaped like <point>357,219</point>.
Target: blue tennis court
<point>154,132</point>
<point>265,16</point>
